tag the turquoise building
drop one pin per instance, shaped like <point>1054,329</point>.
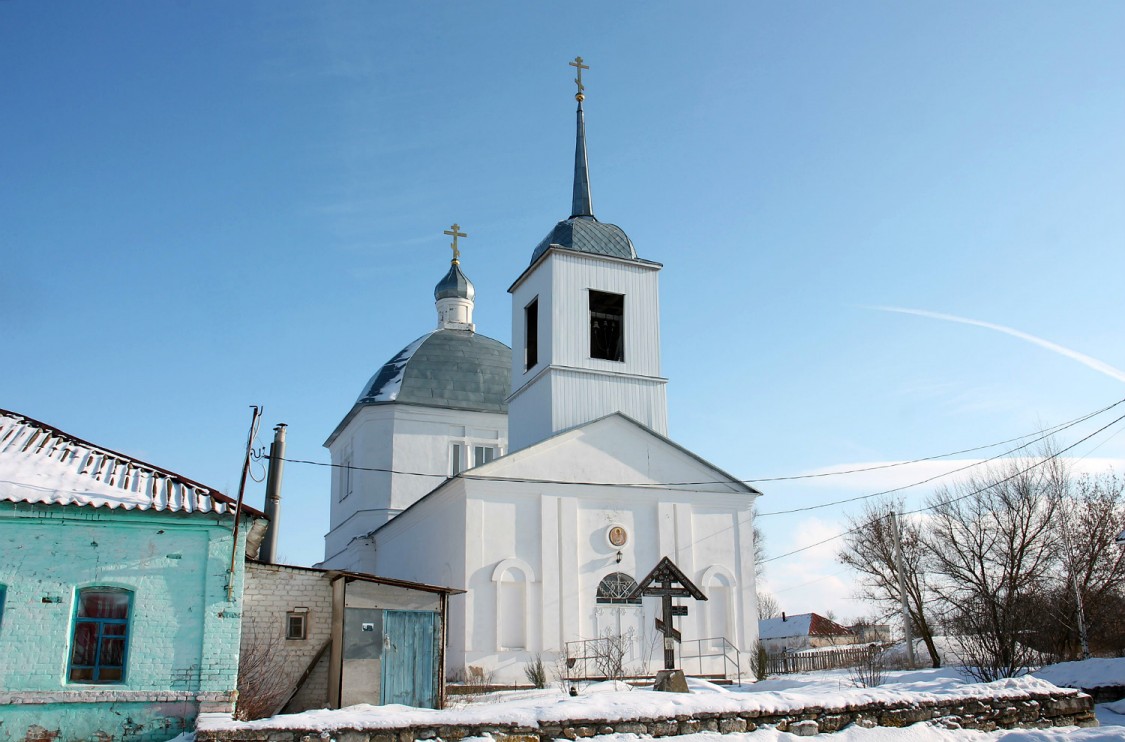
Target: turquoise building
<point>120,591</point>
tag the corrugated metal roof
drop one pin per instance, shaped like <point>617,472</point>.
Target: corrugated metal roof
<point>456,369</point>
<point>587,234</point>
<point>42,464</point>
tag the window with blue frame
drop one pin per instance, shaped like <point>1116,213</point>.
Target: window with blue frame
<point>101,635</point>
<point>2,596</point>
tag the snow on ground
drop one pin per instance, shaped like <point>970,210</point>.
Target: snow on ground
<point>615,701</point>
<point>1092,673</point>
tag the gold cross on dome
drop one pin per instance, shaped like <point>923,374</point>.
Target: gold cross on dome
<point>577,64</point>
<point>455,232</point>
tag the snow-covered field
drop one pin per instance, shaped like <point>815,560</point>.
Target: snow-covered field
<point>618,701</point>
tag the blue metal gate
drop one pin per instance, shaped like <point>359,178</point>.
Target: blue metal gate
<point>410,671</point>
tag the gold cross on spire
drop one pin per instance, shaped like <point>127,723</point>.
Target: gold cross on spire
<point>577,63</point>
<point>455,232</point>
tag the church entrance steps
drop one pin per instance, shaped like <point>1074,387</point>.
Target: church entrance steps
<point>987,707</point>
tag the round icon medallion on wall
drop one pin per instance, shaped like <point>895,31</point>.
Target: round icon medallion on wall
<point>617,536</point>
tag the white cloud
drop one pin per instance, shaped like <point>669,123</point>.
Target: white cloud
<point>1085,360</point>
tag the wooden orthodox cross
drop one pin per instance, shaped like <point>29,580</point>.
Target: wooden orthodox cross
<point>455,233</point>
<point>667,581</point>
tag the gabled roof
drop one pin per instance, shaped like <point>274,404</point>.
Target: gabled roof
<point>41,464</point>
<point>517,467</point>
<point>708,474</point>
<point>803,624</point>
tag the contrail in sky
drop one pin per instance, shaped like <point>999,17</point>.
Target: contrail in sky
<point>1082,358</point>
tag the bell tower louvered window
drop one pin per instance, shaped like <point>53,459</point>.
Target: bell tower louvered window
<point>607,326</point>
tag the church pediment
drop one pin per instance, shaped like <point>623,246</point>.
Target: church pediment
<point>613,450</point>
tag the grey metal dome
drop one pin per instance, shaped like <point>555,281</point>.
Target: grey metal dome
<point>456,369</point>
<point>587,234</point>
<point>455,285</point>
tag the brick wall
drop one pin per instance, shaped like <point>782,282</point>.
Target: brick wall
<point>272,591</point>
<point>183,634</point>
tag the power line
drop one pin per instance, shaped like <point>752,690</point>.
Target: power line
<point>650,485</point>
<point>1046,434</point>
<point>866,524</point>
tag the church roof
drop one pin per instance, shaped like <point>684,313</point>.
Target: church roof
<point>455,285</point>
<point>587,234</point>
<point>456,369</point>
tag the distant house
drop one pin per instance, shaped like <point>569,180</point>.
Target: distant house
<point>120,591</point>
<point>318,638</point>
<point>803,631</point>
<point>871,633</point>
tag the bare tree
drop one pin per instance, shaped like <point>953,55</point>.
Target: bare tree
<point>1090,571</point>
<point>759,547</point>
<point>992,543</point>
<point>870,671</point>
<point>263,684</point>
<point>609,653</point>
<point>869,549</point>
<point>768,607</point>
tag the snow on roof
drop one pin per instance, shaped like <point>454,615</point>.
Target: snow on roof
<point>803,624</point>
<point>41,464</point>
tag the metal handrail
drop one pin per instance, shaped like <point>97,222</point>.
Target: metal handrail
<point>725,650</point>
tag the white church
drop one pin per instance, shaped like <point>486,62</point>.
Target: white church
<point>543,481</point>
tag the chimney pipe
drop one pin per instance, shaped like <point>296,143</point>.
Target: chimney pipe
<point>273,494</point>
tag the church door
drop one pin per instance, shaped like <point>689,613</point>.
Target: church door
<point>628,622</point>
<point>410,655</point>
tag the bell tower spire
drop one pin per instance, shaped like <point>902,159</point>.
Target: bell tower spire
<point>587,315</point>
<point>581,202</point>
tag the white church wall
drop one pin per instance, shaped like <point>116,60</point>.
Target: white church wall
<point>537,553</point>
<point>423,443</point>
<point>534,553</point>
<point>567,386</point>
<point>403,438</point>
<point>576,400</point>
<point>535,286</point>
<point>359,497</point>
<point>574,276</point>
<point>427,544</point>
<point>529,413</point>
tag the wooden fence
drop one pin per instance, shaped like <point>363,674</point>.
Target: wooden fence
<point>829,659</point>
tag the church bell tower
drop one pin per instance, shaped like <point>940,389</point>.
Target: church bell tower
<point>585,323</point>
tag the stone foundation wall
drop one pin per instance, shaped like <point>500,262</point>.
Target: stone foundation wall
<point>1060,708</point>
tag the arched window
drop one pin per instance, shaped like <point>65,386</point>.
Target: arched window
<point>720,585</point>
<point>615,588</point>
<point>101,635</point>
<point>513,578</point>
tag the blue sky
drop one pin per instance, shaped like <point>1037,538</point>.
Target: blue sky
<point>208,205</point>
